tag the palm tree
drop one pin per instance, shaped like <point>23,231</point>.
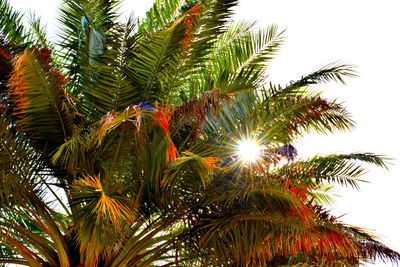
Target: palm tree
<point>119,144</point>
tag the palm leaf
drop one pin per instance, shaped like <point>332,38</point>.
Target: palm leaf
<point>331,72</point>
<point>342,169</point>
<point>153,60</point>
<point>84,34</point>
<point>109,89</point>
<point>21,183</point>
<point>243,62</point>
<point>160,15</point>
<point>11,27</point>
<point>38,89</point>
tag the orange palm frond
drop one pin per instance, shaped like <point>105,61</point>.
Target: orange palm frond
<point>210,163</point>
<point>104,206</point>
<point>163,117</point>
<point>189,21</point>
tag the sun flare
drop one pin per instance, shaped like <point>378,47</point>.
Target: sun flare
<point>249,150</point>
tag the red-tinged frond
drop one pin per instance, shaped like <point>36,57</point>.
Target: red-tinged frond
<point>41,105</point>
<point>189,118</point>
<point>17,84</point>
<point>201,106</point>
<point>5,64</point>
<point>195,10</point>
<point>321,246</point>
<point>172,152</point>
<point>376,250</point>
<point>43,55</point>
<point>293,116</point>
<point>321,213</point>
<point>113,119</point>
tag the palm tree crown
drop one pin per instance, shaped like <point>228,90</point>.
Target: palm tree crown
<point>119,144</point>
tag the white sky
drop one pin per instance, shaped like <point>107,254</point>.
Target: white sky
<point>361,32</point>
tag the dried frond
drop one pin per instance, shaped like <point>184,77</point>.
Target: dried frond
<point>132,114</point>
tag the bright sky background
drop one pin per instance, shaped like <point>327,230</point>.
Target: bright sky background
<point>360,32</point>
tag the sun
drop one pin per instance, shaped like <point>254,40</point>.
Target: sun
<point>249,150</point>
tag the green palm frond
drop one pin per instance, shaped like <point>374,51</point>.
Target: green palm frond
<point>154,59</point>
<point>213,22</point>
<point>275,120</point>
<point>200,169</point>
<point>243,62</point>
<point>147,244</point>
<point>37,32</point>
<point>109,89</point>
<point>19,160</point>
<point>234,32</point>
<point>11,27</point>
<point>73,153</point>
<point>160,15</point>
<point>85,26</point>
<point>323,193</point>
<point>331,72</point>
<point>339,168</point>
<point>290,117</point>
<point>21,184</point>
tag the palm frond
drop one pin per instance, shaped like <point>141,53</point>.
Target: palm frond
<point>154,58</point>
<point>101,205</point>
<point>200,169</point>
<point>84,34</point>
<point>248,214</point>
<point>188,119</point>
<point>290,117</point>
<point>37,32</point>
<point>142,137</point>
<point>331,72</point>
<point>160,15</point>
<point>108,88</point>
<point>73,153</point>
<point>323,193</point>
<point>11,26</point>
<point>147,243</point>
<point>21,185</point>
<point>213,22</point>
<point>234,32</point>
<point>242,63</point>
<point>37,88</point>
<point>338,168</point>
